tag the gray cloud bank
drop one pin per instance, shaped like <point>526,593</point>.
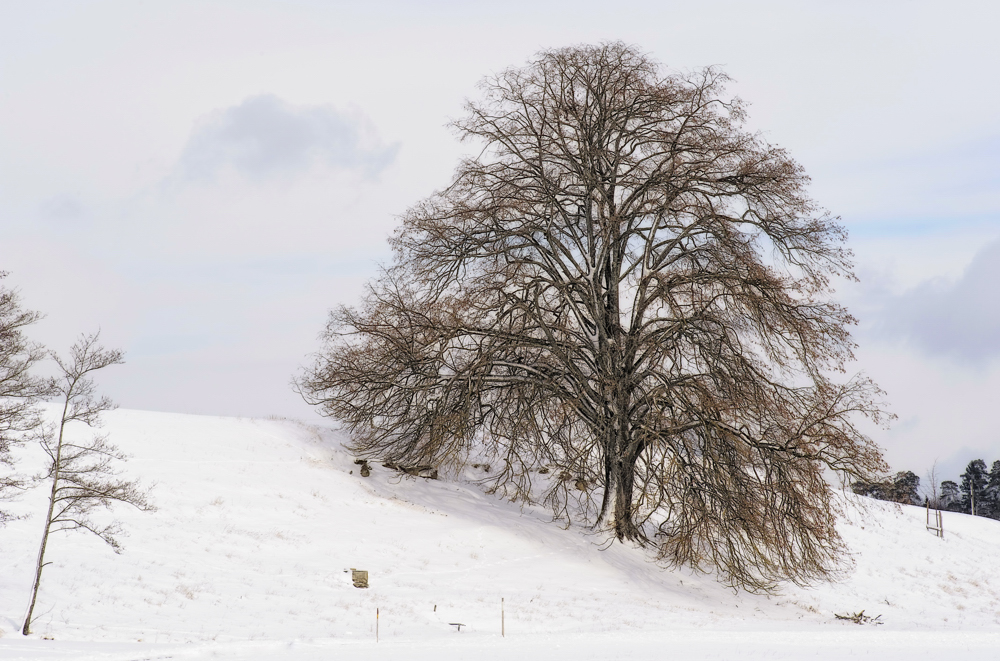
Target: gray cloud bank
<point>264,136</point>
<point>959,319</point>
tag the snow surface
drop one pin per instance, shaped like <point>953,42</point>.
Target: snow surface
<point>259,522</point>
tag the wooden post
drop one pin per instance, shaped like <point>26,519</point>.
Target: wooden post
<point>376,625</point>
<point>938,527</point>
<point>502,633</point>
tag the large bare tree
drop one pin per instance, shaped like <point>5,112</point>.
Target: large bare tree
<point>625,302</point>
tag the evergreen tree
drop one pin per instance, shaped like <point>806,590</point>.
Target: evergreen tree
<point>974,481</point>
<point>991,496</point>
<point>905,488</point>
<point>951,496</point>
<point>876,490</point>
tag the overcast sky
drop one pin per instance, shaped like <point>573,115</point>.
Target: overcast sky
<point>203,181</point>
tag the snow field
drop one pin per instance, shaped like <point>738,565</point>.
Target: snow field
<point>259,519</point>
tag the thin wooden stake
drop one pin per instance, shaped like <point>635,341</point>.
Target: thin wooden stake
<point>376,625</point>
<point>938,527</point>
<point>503,634</point>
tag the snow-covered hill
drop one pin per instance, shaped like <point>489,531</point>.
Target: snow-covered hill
<point>259,521</point>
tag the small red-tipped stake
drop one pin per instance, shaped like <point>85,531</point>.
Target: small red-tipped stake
<point>376,625</point>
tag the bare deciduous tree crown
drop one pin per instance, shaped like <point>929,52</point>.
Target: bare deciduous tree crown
<point>630,293</point>
<point>20,390</point>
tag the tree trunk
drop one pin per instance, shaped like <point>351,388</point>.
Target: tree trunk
<point>624,522</point>
<point>57,462</point>
<point>621,455</point>
<point>26,629</point>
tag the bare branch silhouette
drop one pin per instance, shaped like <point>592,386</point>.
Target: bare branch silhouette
<point>82,473</point>
<point>20,390</point>
<point>624,303</point>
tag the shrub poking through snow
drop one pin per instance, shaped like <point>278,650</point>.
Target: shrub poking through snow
<point>860,618</point>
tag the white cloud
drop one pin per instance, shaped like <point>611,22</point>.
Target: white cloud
<point>265,136</point>
<point>958,319</point>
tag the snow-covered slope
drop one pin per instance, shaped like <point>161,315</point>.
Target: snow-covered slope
<point>259,521</point>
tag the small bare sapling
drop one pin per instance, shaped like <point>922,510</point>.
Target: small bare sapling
<point>82,471</point>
